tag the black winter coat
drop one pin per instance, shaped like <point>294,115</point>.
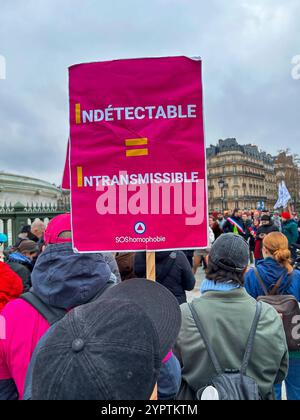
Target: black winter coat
<point>178,277</point>
<point>24,272</point>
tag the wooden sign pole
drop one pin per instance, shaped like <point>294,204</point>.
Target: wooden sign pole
<point>150,263</point>
<point>151,275</point>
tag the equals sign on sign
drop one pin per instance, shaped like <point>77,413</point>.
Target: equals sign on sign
<point>132,144</point>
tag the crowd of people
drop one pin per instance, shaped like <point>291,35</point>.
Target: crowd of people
<point>254,226</point>
<point>92,327</point>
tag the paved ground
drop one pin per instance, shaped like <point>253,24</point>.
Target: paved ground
<point>196,292</point>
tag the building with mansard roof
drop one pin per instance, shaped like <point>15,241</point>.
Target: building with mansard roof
<point>240,176</point>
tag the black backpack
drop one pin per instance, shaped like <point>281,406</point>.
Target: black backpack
<point>231,384</point>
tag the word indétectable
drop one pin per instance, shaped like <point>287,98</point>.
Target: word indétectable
<point>150,112</point>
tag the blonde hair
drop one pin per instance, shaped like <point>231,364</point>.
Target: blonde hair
<point>278,246</point>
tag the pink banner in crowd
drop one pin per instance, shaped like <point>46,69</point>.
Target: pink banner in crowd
<point>138,170</point>
<point>66,176</point>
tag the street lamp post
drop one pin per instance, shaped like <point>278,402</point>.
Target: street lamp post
<point>221,183</point>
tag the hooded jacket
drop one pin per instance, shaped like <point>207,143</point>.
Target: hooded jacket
<point>177,277</point>
<point>22,266</point>
<point>290,230</point>
<point>60,278</point>
<point>270,272</point>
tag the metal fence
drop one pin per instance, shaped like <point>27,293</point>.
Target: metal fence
<point>14,217</point>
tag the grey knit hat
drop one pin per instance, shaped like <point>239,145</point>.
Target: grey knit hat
<point>230,253</point>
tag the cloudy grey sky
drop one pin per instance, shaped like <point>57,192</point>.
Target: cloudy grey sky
<point>246,45</point>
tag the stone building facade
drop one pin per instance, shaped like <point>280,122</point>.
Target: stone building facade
<point>240,176</point>
<point>15,189</point>
<point>22,199</point>
<point>287,169</point>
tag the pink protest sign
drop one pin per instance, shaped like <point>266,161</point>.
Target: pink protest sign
<point>138,170</point>
<point>66,175</point>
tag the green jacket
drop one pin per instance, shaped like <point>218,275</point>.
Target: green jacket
<point>227,318</point>
<point>290,230</point>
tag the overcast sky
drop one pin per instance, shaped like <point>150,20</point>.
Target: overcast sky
<point>247,47</point>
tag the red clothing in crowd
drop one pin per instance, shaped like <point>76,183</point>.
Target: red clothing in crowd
<point>11,285</point>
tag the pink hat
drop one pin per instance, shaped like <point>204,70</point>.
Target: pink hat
<point>56,226</point>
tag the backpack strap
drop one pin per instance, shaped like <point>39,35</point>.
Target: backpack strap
<point>278,284</point>
<point>52,314</point>
<point>275,289</point>
<point>289,282</point>
<point>250,342</point>
<point>49,313</point>
<point>259,278</point>
<point>209,348</point>
<point>251,338</point>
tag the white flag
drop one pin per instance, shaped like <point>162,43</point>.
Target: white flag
<point>286,196</point>
<point>283,196</point>
<point>278,204</point>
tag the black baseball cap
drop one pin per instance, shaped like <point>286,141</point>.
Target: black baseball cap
<point>110,349</point>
